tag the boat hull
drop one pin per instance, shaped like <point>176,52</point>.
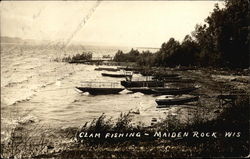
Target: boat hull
<point>116,75</point>
<point>178,80</point>
<point>163,91</point>
<point>129,84</point>
<point>177,101</point>
<point>107,69</point>
<point>141,90</point>
<point>169,91</point>
<point>100,91</point>
<point>159,75</point>
<point>166,78</point>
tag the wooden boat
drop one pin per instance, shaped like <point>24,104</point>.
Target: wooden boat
<point>166,78</point>
<point>157,74</point>
<point>144,90</point>
<point>161,90</point>
<point>106,69</point>
<point>100,91</point>
<point>116,75</point>
<point>162,75</point>
<point>152,83</point>
<point>173,91</point>
<point>169,80</point>
<point>130,68</point>
<point>175,100</point>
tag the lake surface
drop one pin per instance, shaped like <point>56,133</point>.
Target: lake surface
<point>36,88</point>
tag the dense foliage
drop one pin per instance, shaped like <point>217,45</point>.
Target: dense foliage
<point>78,57</point>
<point>127,57</point>
<point>222,41</point>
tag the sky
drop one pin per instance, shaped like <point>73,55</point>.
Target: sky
<point>121,23</point>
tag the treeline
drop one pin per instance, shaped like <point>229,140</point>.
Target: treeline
<point>223,41</point>
<point>78,57</point>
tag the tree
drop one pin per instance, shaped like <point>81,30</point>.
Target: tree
<point>225,39</point>
<point>189,52</point>
<point>119,56</point>
<point>166,52</point>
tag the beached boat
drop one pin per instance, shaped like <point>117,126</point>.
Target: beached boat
<point>181,80</point>
<point>175,100</point>
<point>172,91</point>
<point>106,69</point>
<point>130,68</point>
<point>100,91</point>
<point>166,78</point>
<point>158,74</point>
<point>162,75</point>
<point>96,88</point>
<point>116,75</point>
<point>162,90</point>
<point>152,83</point>
<point>144,90</point>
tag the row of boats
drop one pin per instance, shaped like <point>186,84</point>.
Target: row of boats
<point>156,85</point>
<point>144,90</point>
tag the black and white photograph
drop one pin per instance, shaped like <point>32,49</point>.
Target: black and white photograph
<point>124,79</point>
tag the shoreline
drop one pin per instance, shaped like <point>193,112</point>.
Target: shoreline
<point>207,109</point>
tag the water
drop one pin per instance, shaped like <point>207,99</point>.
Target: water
<point>34,87</point>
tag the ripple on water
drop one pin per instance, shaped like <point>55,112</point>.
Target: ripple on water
<point>47,88</point>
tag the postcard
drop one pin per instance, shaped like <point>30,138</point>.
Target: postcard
<point>125,79</point>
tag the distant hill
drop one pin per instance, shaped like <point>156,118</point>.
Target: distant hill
<point>92,47</point>
<point>16,40</point>
<point>6,39</point>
